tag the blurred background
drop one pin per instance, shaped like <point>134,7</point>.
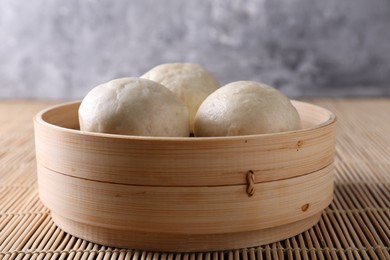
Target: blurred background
<point>51,49</point>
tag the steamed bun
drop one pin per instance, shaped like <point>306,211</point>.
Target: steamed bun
<point>133,106</point>
<point>191,82</point>
<point>245,108</point>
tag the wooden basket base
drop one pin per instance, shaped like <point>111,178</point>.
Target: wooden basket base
<point>182,242</point>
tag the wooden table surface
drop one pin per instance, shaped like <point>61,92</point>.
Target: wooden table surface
<point>355,226</point>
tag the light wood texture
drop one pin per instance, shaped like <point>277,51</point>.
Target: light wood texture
<point>186,210</point>
<point>183,187</point>
<point>184,242</point>
<point>356,225</point>
<point>183,161</point>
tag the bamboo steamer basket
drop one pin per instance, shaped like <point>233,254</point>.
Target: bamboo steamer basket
<point>184,194</point>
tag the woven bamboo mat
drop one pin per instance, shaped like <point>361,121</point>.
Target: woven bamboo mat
<point>355,226</point>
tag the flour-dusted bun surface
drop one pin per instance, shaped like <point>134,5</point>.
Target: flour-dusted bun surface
<point>191,82</point>
<point>245,108</point>
<point>133,106</point>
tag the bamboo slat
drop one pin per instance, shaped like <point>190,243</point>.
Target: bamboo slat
<point>355,226</point>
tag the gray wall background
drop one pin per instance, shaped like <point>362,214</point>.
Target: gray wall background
<point>61,49</point>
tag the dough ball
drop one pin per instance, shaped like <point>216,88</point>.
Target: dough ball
<point>191,82</point>
<point>245,108</point>
<point>133,106</point>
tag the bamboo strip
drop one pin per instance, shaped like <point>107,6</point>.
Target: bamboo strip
<point>303,247</point>
<point>366,225</point>
<point>325,239</point>
<point>338,236</point>
<point>311,249</point>
<point>295,248</point>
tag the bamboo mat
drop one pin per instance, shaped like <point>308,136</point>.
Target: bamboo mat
<point>355,226</point>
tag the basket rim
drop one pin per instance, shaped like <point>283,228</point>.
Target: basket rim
<point>38,118</point>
